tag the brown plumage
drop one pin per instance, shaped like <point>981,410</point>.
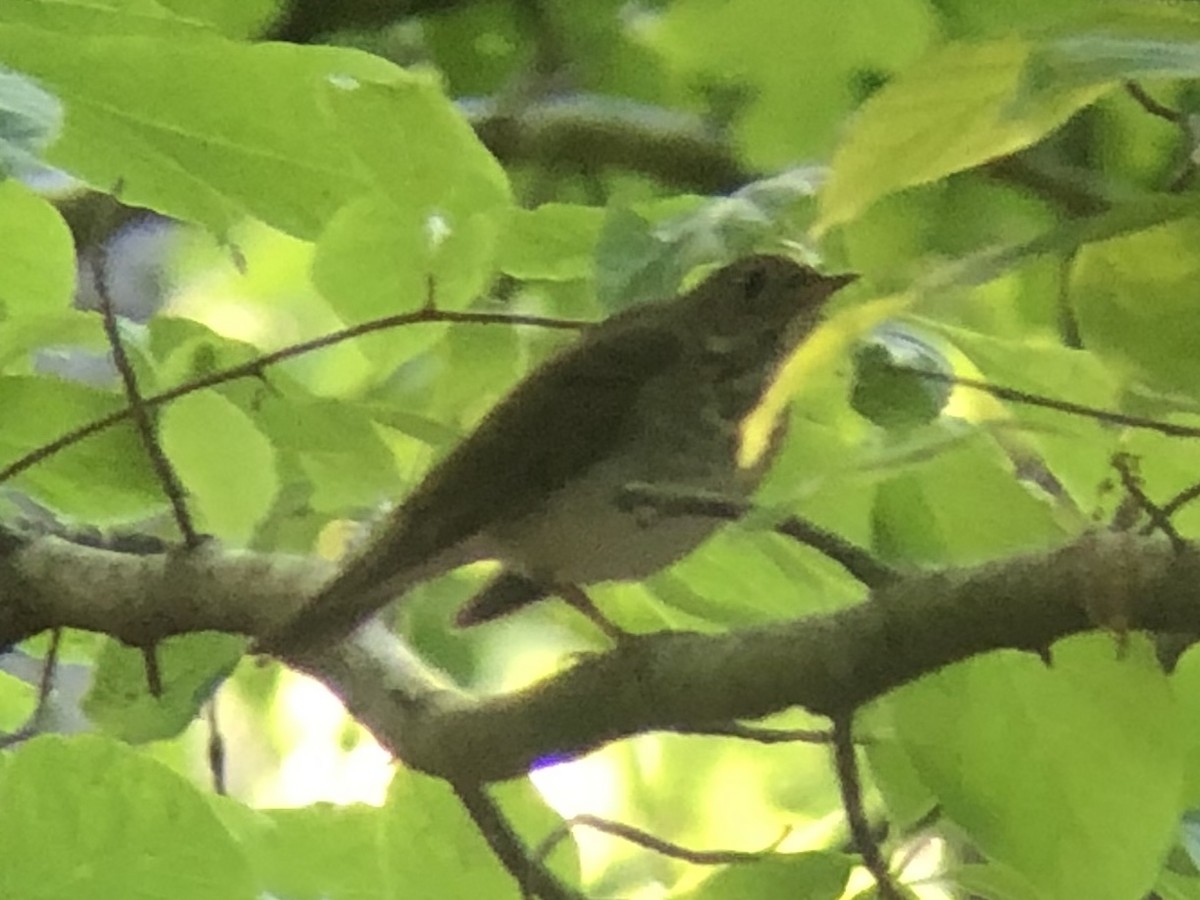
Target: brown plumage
<point>655,394</point>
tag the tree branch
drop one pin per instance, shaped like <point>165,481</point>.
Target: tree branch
<point>829,664</point>
<point>850,783</point>
<point>255,367</point>
<point>683,502</point>
<point>591,133</point>
<point>303,21</point>
<point>526,868</point>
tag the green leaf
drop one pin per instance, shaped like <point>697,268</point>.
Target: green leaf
<point>1136,215</point>
<point>192,666</point>
<point>471,369</point>
<point>18,701</point>
<point>887,391</point>
<point>102,17</point>
<point>87,817</point>
<point>233,18</point>
<point>338,448</point>
<point>65,330</point>
<point>1186,682</point>
<point>1168,463</point>
<point>185,350</point>
<point>1092,59</point>
<point>993,881</point>
<point>1123,42</point>
<point>445,855</point>
<point>631,262</point>
<point>759,215</point>
<point>315,852</point>
<point>30,119</point>
<point>741,578</point>
<point>788,75</point>
<point>794,876</point>
<point>972,18</point>
<point>524,806</point>
<point>224,462</point>
<point>1072,448</point>
<point>432,214</point>
<point>345,851</point>
<point>1048,768</point>
<point>960,106</point>
<point>1176,886</point>
<point>908,799</point>
<point>1134,300</point>
<point>37,255</point>
<point>645,252</point>
<point>415,147</point>
<point>368,264</point>
<point>477,46</point>
<point>930,514</point>
<point>199,127</point>
<point>555,242</point>
<point>102,477</point>
<point>374,261</point>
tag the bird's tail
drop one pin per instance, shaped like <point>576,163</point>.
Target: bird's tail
<point>366,584</point>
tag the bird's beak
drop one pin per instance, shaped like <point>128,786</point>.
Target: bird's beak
<point>837,282</point>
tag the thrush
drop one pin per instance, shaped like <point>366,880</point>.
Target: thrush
<point>656,394</point>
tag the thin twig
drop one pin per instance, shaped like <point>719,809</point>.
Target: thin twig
<point>534,879</point>
<point>761,735</point>
<point>137,409</point>
<point>911,839</point>
<point>1152,106</point>
<point>255,367</point>
<point>674,502</point>
<point>1187,170</point>
<point>1170,429</point>
<point>1176,503</point>
<point>657,844</point>
<point>907,854</point>
<point>216,749</point>
<point>154,679</point>
<point>163,470</point>
<point>850,785</point>
<point>1127,467</point>
<point>550,57</point>
<point>1068,321</point>
<point>1066,189</point>
<point>49,667</point>
<point>1183,178</point>
<point>45,688</point>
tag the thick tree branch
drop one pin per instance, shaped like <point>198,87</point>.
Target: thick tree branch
<point>48,582</point>
<point>303,21</point>
<point>592,133</point>
<point>829,664</point>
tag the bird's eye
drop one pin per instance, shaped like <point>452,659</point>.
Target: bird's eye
<point>755,283</point>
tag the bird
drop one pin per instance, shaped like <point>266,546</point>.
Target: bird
<point>655,394</point>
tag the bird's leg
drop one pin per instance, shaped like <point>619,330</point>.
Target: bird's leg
<point>581,602</point>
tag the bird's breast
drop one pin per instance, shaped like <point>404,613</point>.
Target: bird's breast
<point>582,534</point>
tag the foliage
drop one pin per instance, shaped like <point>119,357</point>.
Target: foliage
<point>1018,214</point>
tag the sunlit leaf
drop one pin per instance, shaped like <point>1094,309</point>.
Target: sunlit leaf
<point>225,462</point>
<point>962,105</point>
<point>1045,766</point>
<point>123,825</point>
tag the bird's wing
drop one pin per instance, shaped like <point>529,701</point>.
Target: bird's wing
<point>552,428</point>
<point>513,461</point>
